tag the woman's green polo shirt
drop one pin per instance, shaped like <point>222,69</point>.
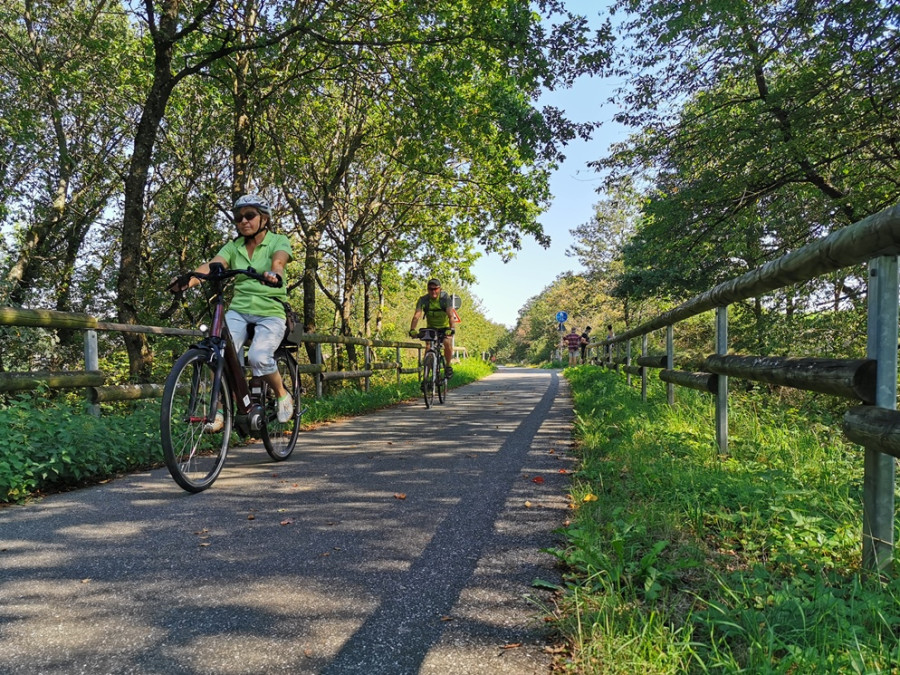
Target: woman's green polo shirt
<point>250,296</point>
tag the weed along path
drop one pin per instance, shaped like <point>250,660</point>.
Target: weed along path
<point>404,541</point>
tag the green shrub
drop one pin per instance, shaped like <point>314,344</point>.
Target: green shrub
<point>57,444</point>
<point>679,560</point>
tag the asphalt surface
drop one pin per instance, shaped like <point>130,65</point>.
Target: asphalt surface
<point>403,541</point>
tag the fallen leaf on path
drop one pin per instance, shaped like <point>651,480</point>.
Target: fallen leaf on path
<point>537,479</point>
<point>251,517</point>
<point>527,505</point>
<point>512,645</point>
<point>399,495</point>
<point>446,618</point>
<point>564,471</point>
<point>287,521</point>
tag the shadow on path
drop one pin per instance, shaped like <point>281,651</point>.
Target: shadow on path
<point>404,541</point>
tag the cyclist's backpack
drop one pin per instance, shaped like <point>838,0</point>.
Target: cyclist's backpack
<point>443,301</point>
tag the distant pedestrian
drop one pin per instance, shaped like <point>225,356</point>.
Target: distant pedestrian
<point>607,349</point>
<point>585,339</point>
<point>573,342</point>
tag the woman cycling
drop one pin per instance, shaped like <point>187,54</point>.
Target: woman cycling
<point>254,303</point>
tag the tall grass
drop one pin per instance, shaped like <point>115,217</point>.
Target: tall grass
<point>51,443</point>
<point>679,560</point>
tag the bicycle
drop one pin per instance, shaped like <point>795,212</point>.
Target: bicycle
<point>433,370</point>
<point>208,381</point>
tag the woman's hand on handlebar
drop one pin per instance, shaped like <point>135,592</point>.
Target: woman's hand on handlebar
<point>180,284</point>
<point>272,279</point>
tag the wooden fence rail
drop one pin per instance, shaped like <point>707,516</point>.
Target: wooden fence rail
<point>93,380</point>
<point>876,426</point>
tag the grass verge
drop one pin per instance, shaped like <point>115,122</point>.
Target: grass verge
<point>678,560</point>
<point>50,444</point>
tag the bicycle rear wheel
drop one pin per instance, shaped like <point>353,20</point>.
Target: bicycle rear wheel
<point>429,365</point>
<point>281,437</point>
<point>194,446</point>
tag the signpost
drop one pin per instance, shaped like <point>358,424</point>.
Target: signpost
<point>561,318</point>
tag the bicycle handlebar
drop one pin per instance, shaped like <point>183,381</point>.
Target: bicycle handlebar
<point>421,333</point>
<point>217,272</point>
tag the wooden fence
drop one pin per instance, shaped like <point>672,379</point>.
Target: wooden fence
<point>93,380</point>
<point>872,382</point>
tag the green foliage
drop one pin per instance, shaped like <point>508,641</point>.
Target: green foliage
<point>57,445</point>
<point>741,144</point>
<point>681,561</point>
<point>536,337</point>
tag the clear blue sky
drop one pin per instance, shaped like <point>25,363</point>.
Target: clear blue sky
<point>504,288</point>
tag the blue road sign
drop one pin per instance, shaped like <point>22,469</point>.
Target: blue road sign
<point>561,317</point>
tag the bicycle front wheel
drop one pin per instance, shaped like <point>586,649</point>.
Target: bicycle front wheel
<point>281,437</point>
<point>429,367</point>
<point>194,444</point>
<point>442,382</point>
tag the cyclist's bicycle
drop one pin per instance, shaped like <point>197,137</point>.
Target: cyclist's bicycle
<point>207,396</point>
<point>433,371</point>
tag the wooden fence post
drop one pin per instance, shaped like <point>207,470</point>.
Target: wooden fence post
<point>628,360</point>
<point>722,391</point>
<point>644,369</point>
<point>879,472</point>
<point>91,363</point>
<point>399,366</point>
<point>670,362</point>
<point>318,376</point>
<point>367,365</point>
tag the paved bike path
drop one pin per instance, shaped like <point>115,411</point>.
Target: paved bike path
<point>403,541</point>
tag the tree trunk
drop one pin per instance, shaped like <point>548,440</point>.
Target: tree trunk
<point>139,355</point>
<point>312,239</point>
<point>242,142</point>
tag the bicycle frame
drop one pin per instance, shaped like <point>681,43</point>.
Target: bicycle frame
<point>223,350</point>
<point>433,345</point>
<point>436,380</point>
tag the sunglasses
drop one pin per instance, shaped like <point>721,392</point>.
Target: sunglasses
<point>249,217</point>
